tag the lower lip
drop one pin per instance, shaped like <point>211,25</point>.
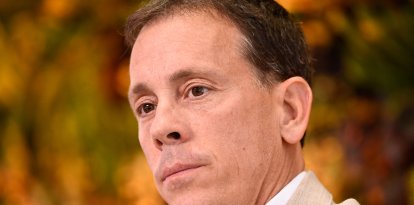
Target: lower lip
<point>181,177</point>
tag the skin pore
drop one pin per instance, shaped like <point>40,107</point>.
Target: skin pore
<point>211,133</point>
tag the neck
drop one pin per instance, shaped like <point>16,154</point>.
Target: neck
<point>279,175</point>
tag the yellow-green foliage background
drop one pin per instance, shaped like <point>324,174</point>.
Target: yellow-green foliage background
<point>67,135</point>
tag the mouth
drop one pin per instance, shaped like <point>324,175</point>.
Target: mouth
<point>178,169</point>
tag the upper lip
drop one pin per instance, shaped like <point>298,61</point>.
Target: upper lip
<point>178,167</point>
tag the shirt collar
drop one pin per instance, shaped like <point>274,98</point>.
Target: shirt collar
<point>286,193</point>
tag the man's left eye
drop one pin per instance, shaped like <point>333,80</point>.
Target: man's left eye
<point>198,91</point>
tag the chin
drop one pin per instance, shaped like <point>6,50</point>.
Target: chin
<point>190,199</point>
<point>193,197</point>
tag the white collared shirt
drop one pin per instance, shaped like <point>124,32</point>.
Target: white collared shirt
<point>286,193</point>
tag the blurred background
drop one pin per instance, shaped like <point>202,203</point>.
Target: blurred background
<point>67,135</point>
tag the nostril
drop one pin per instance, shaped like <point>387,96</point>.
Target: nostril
<point>174,135</point>
<point>158,143</point>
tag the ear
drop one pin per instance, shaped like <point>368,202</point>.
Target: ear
<point>296,97</point>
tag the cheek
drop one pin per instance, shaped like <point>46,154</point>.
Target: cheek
<point>238,132</point>
<point>243,121</point>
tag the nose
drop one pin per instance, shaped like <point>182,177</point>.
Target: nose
<point>167,128</point>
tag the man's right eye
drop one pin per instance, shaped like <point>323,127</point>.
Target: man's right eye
<point>145,108</point>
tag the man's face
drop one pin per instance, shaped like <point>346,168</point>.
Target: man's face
<point>208,129</point>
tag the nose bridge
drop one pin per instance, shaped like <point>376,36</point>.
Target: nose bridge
<point>166,128</point>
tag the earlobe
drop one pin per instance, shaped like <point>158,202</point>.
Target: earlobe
<point>296,96</point>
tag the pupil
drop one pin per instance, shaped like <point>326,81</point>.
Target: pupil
<point>197,91</point>
<point>148,108</point>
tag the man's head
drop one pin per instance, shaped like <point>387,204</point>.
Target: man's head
<point>271,40</point>
<point>220,95</point>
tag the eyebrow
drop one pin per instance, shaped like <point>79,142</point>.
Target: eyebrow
<point>179,75</point>
<point>139,88</point>
<point>137,91</point>
<point>187,73</point>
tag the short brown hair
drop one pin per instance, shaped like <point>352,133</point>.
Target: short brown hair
<point>273,41</point>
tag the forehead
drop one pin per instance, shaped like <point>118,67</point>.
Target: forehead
<point>189,36</point>
<point>187,21</point>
